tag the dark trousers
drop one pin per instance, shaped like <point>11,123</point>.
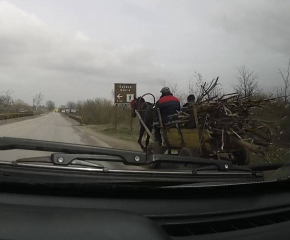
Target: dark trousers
<point>157,134</point>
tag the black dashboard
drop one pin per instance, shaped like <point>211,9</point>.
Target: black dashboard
<point>244,211</point>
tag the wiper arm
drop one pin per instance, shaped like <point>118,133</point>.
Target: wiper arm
<point>69,152</point>
<point>86,164</point>
<point>124,156</point>
<point>65,159</point>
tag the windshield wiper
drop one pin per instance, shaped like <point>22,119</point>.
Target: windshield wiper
<point>47,160</point>
<point>75,154</point>
<point>124,156</point>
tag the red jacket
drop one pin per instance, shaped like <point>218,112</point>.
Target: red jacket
<point>168,105</point>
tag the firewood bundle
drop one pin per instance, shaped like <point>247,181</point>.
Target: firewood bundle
<point>227,118</point>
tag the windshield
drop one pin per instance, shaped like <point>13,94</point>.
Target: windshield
<point>191,79</point>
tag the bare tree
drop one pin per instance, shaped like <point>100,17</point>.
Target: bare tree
<point>6,98</point>
<point>19,104</point>
<point>79,104</point>
<point>201,85</point>
<point>247,82</point>
<point>283,92</point>
<point>72,105</point>
<point>182,97</point>
<point>280,95</point>
<point>191,88</point>
<point>62,106</point>
<point>37,100</point>
<point>50,105</point>
<point>173,88</point>
<point>194,87</point>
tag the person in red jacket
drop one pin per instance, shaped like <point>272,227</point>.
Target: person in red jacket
<point>168,105</point>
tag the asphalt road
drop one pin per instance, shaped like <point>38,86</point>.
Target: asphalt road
<point>50,127</point>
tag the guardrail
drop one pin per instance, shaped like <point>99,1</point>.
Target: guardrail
<point>5,116</point>
<point>77,118</point>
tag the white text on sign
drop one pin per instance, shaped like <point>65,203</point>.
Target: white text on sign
<point>125,88</point>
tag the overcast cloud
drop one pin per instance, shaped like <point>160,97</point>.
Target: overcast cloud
<point>71,50</point>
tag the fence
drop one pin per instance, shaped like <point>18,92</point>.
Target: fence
<point>77,118</point>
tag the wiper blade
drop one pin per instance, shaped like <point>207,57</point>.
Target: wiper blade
<point>47,160</point>
<point>66,153</point>
<point>220,165</point>
<point>265,167</point>
<point>65,159</point>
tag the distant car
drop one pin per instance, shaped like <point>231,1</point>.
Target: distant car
<point>22,110</point>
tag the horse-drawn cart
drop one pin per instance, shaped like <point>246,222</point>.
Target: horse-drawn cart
<point>196,142</point>
<point>211,127</point>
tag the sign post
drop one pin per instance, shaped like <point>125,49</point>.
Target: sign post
<point>131,123</point>
<point>116,117</point>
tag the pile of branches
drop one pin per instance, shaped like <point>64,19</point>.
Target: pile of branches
<point>227,119</point>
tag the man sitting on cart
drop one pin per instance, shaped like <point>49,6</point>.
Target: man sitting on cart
<point>168,105</point>
<point>190,100</point>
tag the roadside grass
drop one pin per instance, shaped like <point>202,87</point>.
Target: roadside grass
<point>279,114</point>
<point>122,132</point>
<point>274,155</point>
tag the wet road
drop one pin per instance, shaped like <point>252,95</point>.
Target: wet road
<point>50,127</point>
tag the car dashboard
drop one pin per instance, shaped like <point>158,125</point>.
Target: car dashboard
<point>243,211</point>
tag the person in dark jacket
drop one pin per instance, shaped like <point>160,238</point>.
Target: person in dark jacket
<point>168,105</point>
<point>190,99</point>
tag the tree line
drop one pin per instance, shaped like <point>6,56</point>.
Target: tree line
<point>8,104</point>
<point>247,84</point>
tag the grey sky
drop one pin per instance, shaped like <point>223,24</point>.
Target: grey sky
<point>71,50</point>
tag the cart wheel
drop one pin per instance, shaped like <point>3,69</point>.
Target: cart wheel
<point>242,157</point>
<point>188,152</point>
<point>154,148</point>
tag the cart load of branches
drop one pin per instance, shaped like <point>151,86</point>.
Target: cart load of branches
<point>227,120</point>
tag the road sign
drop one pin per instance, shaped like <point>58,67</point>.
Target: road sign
<point>124,92</point>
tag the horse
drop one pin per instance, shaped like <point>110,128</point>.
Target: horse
<point>147,113</point>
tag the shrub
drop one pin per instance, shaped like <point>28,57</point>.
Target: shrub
<point>103,111</point>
